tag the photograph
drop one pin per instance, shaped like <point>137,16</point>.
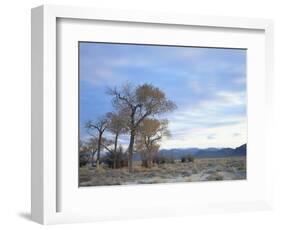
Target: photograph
<point>153,113</point>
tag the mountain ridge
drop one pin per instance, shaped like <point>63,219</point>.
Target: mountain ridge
<point>205,153</point>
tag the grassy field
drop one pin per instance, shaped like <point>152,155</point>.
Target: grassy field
<point>211,169</point>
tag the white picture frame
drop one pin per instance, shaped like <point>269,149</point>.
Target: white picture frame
<point>46,182</point>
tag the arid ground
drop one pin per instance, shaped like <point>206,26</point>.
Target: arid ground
<point>208,169</point>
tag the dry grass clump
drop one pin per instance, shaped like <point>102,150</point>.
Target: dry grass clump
<point>187,158</point>
<point>215,176</point>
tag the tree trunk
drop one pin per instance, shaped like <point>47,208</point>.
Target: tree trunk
<point>115,151</point>
<point>98,153</point>
<point>93,155</point>
<point>131,149</point>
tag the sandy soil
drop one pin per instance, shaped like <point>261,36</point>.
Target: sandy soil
<point>212,169</point>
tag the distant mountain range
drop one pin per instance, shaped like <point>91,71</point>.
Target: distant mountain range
<point>205,153</point>
<point>177,153</point>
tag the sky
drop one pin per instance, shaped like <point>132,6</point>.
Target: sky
<point>208,86</point>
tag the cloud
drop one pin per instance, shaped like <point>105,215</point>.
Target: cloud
<point>100,77</point>
<point>211,136</point>
<point>236,134</point>
<point>204,138</point>
<point>209,115</point>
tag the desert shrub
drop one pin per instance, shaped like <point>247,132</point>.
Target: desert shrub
<point>146,163</point>
<point>121,158</point>
<point>170,160</point>
<point>82,163</point>
<point>157,159</point>
<point>118,160</point>
<point>187,158</point>
<point>195,170</point>
<point>215,176</point>
<point>83,159</point>
<point>107,160</point>
<point>219,177</point>
<point>241,167</point>
<point>163,159</point>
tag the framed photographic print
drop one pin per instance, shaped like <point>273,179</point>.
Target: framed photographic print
<point>139,114</point>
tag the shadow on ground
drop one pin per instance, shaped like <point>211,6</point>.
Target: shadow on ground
<point>25,215</point>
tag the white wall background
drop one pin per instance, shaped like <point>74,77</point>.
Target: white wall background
<point>15,112</point>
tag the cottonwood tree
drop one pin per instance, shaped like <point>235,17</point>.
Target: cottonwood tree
<point>117,125</point>
<point>83,153</point>
<point>81,147</point>
<point>150,133</point>
<point>139,103</point>
<point>92,146</point>
<point>97,128</point>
